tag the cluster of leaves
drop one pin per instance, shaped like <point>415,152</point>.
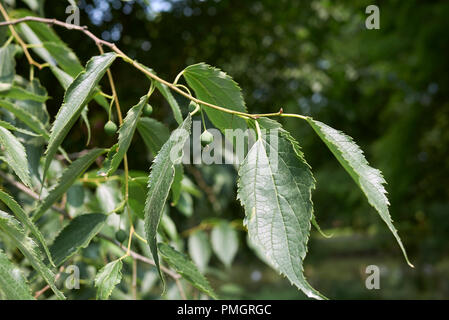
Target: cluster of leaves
<point>277,201</point>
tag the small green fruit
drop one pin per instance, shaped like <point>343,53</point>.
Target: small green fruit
<point>110,128</point>
<point>121,236</point>
<point>206,138</point>
<point>147,110</point>
<point>192,106</point>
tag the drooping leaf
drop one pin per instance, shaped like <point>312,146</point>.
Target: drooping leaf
<point>76,97</point>
<point>7,67</point>
<point>370,180</point>
<point>76,235</point>
<point>225,242</point>
<point>275,185</point>
<point>36,108</point>
<point>64,57</point>
<point>11,227</point>
<point>214,86</point>
<point>23,217</point>
<point>167,95</point>
<point>153,133</point>
<point>171,101</point>
<point>199,249</point>
<point>160,181</point>
<point>15,155</point>
<point>125,136</point>
<point>107,278</point>
<point>185,267</point>
<point>74,170</point>
<point>12,283</point>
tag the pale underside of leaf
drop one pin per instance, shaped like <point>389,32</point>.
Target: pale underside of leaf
<point>15,155</point>
<point>369,179</point>
<point>275,186</point>
<point>23,217</point>
<point>160,181</point>
<point>107,278</point>
<point>12,283</point>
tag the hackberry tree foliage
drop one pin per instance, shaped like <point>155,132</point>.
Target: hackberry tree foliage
<point>55,203</point>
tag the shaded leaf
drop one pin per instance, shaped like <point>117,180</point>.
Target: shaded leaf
<point>68,177</point>
<point>225,242</point>
<point>185,267</point>
<point>23,217</point>
<point>11,227</point>
<point>76,235</point>
<point>19,93</point>
<point>7,67</point>
<point>199,249</point>
<point>153,133</point>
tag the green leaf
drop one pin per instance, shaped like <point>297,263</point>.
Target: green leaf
<point>136,198</point>
<point>275,185</point>
<point>125,136</point>
<point>107,278</point>
<point>185,267</point>
<point>11,227</point>
<point>160,181</point>
<point>76,97</point>
<point>64,57</point>
<point>69,176</point>
<point>15,155</point>
<point>26,117</point>
<point>7,67</point>
<point>369,180</point>
<point>12,283</point>
<point>76,235</point>
<point>9,126</point>
<point>167,95</point>
<point>177,183</point>
<point>19,93</point>
<point>171,100</point>
<point>214,86</point>
<point>199,249</point>
<point>153,133</point>
<point>225,242</point>
<point>23,217</point>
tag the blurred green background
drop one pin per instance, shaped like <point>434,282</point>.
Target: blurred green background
<point>386,88</point>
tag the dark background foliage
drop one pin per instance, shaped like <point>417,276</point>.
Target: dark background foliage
<point>387,88</point>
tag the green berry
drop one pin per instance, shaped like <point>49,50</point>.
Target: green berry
<point>206,138</point>
<point>121,235</point>
<point>192,106</point>
<point>147,110</point>
<point>110,128</point>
